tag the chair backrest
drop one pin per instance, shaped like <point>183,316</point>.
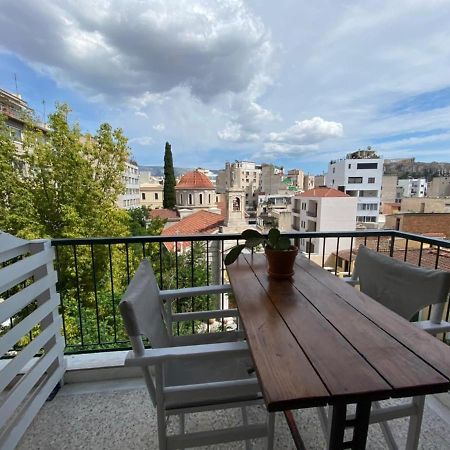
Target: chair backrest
<point>401,287</point>
<point>142,309</point>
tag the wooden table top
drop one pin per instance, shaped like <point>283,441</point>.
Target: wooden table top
<point>316,340</point>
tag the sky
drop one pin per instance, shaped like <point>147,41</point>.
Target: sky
<point>294,83</point>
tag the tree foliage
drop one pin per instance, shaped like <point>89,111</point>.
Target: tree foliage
<point>169,179</point>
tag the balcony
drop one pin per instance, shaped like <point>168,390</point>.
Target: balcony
<point>311,213</point>
<point>104,404</point>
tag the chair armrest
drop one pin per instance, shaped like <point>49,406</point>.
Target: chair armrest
<point>208,338</point>
<point>433,328</point>
<point>203,315</point>
<point>158,355</point>
<point>172,294</point>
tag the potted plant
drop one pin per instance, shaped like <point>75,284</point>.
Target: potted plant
<point>279,252</point>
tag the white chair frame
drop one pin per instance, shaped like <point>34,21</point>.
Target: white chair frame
<point>196,347</point>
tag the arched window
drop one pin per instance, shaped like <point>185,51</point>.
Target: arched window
<point>209,198</point>
<point>190,199</point>
<point>236,204</point>
<point>201,199</point>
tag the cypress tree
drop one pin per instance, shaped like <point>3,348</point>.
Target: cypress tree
<point>169,179</point>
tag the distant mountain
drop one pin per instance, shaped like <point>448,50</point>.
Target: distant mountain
<point>158,171</point>
<point>410,168</point>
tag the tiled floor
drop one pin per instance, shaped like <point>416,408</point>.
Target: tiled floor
<point>119,415</point>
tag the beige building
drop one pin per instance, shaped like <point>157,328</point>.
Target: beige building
<point>439,187</point>
<point>296,176</point>
<point>308,182</point>
<point>320,180</point>
<point>274,210</point>
<point>243,175</point>
<point>271,180</point>
<point>323,209</point>
<point>152,195</point>
<point>425,205</point>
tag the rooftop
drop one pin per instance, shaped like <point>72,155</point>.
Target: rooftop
<point>194,180</point>
<point>322,191</point>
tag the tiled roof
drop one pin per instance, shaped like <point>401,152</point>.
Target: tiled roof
<point>428,258</point>
<point>322,191</point>
<point>200,222</point>
<point>194,180</point>
<point>169,214</point>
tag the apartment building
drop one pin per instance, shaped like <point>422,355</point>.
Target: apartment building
<point>245,175</point>
<point>151,195</point>
<point>296,176</point>
<point>359,175</point>
<point>308,182</point>
<point>274,210</point>
<point>427,205</point>
<point>15,109</point>
<point>323,209</point>
<point>412,187</point>
<point>131,197</point>
<point>271,180</point>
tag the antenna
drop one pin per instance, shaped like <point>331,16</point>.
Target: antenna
<point>15,82</point>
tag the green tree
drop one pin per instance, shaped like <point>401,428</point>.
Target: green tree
<point>169,179</point>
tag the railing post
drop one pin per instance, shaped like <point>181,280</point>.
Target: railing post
<point>216,262</point>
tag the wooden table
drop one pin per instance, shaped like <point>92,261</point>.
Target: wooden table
<point>315,340</point>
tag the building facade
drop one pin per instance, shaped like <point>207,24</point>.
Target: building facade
<point>131,197</point>
<point>151,195</point>
<point>195,191</point>
<point>412,187</point>
<point>323,209</point>
<point>427,205</point>
<point>359,175</point>
<point>439,187</point>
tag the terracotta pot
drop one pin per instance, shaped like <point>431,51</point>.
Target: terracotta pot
<point>281,262</point>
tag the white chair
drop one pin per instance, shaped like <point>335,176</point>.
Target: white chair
<point>405,289</point>
<point>184,374</point>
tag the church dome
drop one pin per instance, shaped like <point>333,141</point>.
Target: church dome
<point>194,180</point>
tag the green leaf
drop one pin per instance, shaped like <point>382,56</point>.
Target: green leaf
<point>250,234</point>
<point>284,243</point>
<point>253,242</point>
<point>274,235</point>
<point>233,254</point>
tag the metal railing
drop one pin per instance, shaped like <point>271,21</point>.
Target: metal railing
<point>93,273</point>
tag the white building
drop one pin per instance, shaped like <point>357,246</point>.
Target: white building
<point>413,187</point>
<point>323,209</point>
<point>359,175</point>
<point>131,197</point>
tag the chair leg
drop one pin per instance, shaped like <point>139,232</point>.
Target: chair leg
<point>386,430</point>
<point>270,430</point>
<point>245,421</point>
<point>415,422</point>
<point>162,429</point>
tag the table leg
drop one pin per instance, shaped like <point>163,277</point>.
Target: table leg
<point>360,426</point>
<point>294,430</point>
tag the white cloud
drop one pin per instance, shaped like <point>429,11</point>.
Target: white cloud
<point>142,140</point>
<point>159,127</point>
<point>141,49</point>
<point>310,131</point>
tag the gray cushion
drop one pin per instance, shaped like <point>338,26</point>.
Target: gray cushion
<point>401,287</point>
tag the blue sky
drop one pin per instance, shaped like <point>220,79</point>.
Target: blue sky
<point>295,83</point>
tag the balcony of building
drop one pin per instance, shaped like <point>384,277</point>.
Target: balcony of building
<point>102,404</point>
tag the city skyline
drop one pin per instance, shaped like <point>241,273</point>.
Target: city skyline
<point>291,84</point>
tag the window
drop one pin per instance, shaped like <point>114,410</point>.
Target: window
<point>371,180</point>
<point>367,166</point>
<point>201,199</point>
<point>190,199</point>
<point>181,198</point>
<point>334,169</point>
<point>354,180</point>
<point>156,196</point>
<point>209,198</point>
<point>349,166</point>
<point>143,196</point>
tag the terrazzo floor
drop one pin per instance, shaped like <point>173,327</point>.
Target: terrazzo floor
<point>119,415</point>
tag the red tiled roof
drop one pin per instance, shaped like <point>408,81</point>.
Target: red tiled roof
<point>194,180</point>
<point>163,214</point>
<point>200,222</point>
<point>322,191</point>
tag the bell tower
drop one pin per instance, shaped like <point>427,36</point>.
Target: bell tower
<point>235,208</point>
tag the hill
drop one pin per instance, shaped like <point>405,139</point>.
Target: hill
<point>410,168</point>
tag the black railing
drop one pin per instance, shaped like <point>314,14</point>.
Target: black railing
<point>93,273</point>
